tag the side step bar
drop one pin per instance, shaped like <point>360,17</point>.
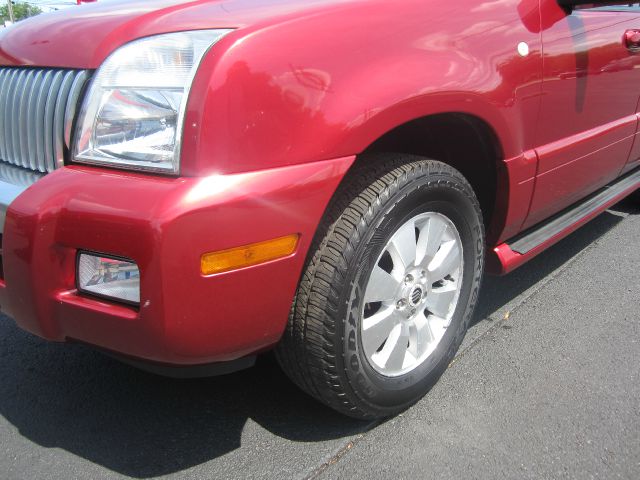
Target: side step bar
<point>528,244</point>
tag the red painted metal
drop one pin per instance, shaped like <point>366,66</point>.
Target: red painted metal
<point>587,116</point>
<point>634,156</point>
<point>164,225</point>
<point>295,85</point>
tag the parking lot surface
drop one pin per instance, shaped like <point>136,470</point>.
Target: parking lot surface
<point>546,385</point>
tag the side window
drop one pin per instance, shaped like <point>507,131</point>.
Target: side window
<point>610,6</point>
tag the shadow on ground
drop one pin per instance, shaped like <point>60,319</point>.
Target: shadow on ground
<point>141,425</point>
<point>498,291</point>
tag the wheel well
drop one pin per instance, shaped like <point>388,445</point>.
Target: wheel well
<point>463,141</point>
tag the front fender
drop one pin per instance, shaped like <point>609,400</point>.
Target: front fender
<point>330,84</point>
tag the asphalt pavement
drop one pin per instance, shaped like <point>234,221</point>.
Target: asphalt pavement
<point>546,385</point>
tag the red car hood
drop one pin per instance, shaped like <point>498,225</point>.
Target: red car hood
<point>82,37</point>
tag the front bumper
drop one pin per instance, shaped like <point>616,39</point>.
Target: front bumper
<point>164,225</point>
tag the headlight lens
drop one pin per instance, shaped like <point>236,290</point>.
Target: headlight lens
<point>133,112</point>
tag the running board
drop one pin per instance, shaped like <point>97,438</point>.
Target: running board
<point>528,244</point>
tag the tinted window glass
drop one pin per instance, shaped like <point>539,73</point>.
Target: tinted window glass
<point>611,6</point>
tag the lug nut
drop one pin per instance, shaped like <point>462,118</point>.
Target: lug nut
<point>400,304</point>
<point>408,279</point>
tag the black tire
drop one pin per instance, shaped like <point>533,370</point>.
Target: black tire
<point>321,349</point>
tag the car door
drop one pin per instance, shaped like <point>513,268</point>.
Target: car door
<point>591,87</point>
<point>634,156</point>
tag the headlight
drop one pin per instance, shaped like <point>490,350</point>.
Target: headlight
<point>133,112</point>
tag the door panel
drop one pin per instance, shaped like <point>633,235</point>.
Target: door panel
<point>634,157</point>
<point>588,117</point>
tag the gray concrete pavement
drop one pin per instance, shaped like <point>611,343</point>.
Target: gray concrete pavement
<point>547,385</point>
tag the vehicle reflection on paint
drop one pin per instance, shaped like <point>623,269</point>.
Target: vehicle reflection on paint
<point>111,270</point>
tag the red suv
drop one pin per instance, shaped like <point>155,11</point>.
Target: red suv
<point>188,184</point>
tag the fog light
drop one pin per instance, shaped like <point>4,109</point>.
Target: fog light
<point>109,277</point>
<point>248,255</point>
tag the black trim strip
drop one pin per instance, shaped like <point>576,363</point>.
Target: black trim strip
<point>537,235</point>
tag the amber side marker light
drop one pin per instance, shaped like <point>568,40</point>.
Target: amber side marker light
<point>248,255</point>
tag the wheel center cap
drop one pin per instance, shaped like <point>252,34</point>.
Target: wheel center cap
<point>416,296</point>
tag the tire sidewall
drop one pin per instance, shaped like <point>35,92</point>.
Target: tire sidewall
<point>440,193</point>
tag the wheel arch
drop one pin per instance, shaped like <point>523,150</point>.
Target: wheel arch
<point>464,141</point>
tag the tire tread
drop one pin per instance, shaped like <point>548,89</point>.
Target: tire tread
<point>307,351</point>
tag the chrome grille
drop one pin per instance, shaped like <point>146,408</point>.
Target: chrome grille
<point>18,176</point>
<point>37,106</point>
